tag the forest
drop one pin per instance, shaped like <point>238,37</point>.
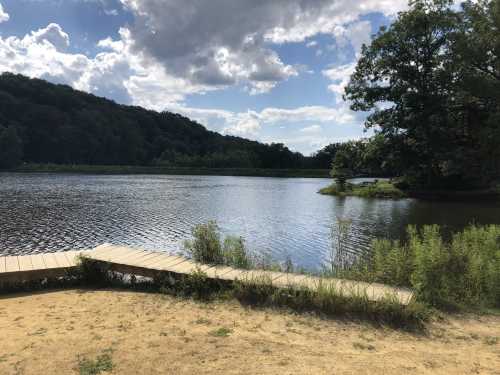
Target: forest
<point>41,122</point>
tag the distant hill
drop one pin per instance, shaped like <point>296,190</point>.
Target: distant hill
<point>41,122</point>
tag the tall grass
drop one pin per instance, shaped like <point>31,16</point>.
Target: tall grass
<point>207,247</point>
<point>461,272</point>
<point>326,300</point>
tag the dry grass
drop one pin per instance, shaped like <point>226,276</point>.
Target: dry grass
<point>50,333</point>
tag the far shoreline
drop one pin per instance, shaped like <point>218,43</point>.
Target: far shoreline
<point>159,170</point>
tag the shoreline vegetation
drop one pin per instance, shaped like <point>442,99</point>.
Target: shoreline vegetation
<point>161,170</point>
<point>389,190</point>
<point>377,189</point>
<point>460,274</point>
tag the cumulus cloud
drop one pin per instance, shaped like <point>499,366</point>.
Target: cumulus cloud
<point>223,42</point>
<point>116,72</point>
<point>4,16</point>
<point>52,34</point>
<point>249,123</point>
<point>339,76</point>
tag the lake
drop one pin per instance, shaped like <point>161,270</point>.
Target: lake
<point>278,217</point>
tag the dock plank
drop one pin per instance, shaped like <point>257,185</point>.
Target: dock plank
<point>37,262</point>
<point>50,261</point>
<point>61,260</point>
<point>25,263</point>
<point>11,264</point>
<point>2,265</point>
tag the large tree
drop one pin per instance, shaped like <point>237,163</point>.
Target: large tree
<point>411,80</point>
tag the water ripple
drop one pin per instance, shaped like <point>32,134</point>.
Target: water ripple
<point>281,217</point>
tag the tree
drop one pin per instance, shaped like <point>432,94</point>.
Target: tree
<point>11,148</point>
<point>409,80</point>
<point>476,51</point>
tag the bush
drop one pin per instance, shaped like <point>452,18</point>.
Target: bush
<point>464,271</point>
<point>94,273</point>
<point>234,253</point>
<point>206,247</point>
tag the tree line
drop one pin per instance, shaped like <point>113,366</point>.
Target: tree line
<point>41,122</point>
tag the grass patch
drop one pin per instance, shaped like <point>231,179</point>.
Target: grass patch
<point>221,332</point>
<point>102,363</point>
<point>378,189</point>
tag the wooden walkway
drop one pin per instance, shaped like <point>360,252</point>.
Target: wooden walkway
<point>149,263</point>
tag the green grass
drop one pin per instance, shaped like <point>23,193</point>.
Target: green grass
<point>221,332</point>
<point>102,363</point>
<point>127,169</point>
<point>380,189</point>
<point>329,302</point>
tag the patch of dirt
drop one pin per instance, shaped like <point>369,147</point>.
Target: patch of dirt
<point>50,333</point>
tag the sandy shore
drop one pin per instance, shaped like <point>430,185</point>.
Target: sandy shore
<point>52,333</point>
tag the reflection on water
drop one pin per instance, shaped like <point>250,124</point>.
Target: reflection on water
<point>279,217</point>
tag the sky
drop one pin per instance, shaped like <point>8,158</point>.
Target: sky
<point>269,70</point>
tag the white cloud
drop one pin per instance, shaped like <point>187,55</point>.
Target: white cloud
<point>224,42</point>
<point>250,123</point>
<point>52,34</point>
<point>116,72</point>
<point>4,16</point>
<point>311,129</point>
<point>339,76</point>
<point>339,115</point>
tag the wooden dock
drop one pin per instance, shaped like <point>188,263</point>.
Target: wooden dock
<point>150,263</point>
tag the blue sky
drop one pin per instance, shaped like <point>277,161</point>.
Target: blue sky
<point>267,70</point>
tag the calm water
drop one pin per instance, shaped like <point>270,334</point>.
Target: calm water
<point>278,217</point>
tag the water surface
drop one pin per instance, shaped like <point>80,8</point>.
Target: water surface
<point>278,217</point>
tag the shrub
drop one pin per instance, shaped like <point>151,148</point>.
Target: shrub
<point>94,273</point>
<point>464,271</point>
<point>235,254</point>
<point>206,247</point>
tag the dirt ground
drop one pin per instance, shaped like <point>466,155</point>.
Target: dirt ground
<point>55,332</point>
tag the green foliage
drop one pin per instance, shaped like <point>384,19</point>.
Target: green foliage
<point>431,83</point>
<point>464,271</point>
<point>102,363</point>
<point>11,148</point>
<point>59,125</point>
<point>378,189</point>
<point>206,247</point>
<point>94,273</point>
<point>234,252</point>
<point>221,332</point>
